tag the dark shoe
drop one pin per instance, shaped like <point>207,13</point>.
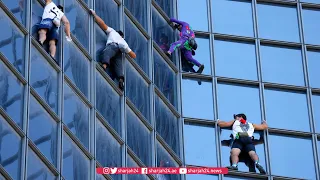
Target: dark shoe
<point>121,84</point>
<point>233,168</point>
<point>168,54</point>
<point>200,69</point>
<point>100,63</point>
<point>40,43</point>
<point>260,168</point>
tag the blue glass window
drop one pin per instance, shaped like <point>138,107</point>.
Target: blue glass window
<point>11,149</point>
<point>238,177</point>
<point>167,6</point>
<point>12,43</point>
<point>100,177</point>
<point>76,115</point>
<point>316,111</point>
<point>11,94</point>
<point>199,95</point>
<point>167,125</point>
<point>77,17</point>
<point>139,9</point>
<point>310,26</point>
<point>43,130</point>
<point>138,43</point>
<point>18,8</point>
<point>284,115</point>
<point>284,151</point>
<point>232,17</point>
<point>37,12</point>
<point>77,67</point>
<point>165,78</point>
<point>235,99</point>
<point>37,169</point>
<point>108,10</point>
<point>108,102</point>
<point>230,56</point>
<point>201,176</point>
<point>44,79</point>
<point>278,22</point>
<point>139,137</point>
<point>101,40</point>
<point>200,152</point>
<point>199,20</point>
<point>282,65</point>
<point>132,163</point>
<point>313,64</point>
<point>137,90</point>
<point>75,163</point>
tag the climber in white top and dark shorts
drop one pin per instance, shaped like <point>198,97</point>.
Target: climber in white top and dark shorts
<point>242,132</point>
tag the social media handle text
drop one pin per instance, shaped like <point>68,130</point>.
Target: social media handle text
<point>172,170</point>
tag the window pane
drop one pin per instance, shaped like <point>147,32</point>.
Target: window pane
<point>197,99</point>
<point>313,64</point>
<point>138,43</point>
<point>139,138</point>
<point>43,130</point>
<point>316,111</point>
<point>282,65</point>
<point>200,152</point>
<point>76,115</point>
<point>10,149</point>
<point>167,6</point>
<point>201,176</point>
<point>232,17</point>
<point>245,162</point>
<point>231,55</point>
<point>77,67</point>
<point>230,96</point>
<point>108,149</point>
<point>139,9</point>
<point>101,40</point>
<point>44,79</point>
<point>78,17</point>
<point>167,125</point>
<point>284,152</point>
<point>108,10</point>
<point>108,102</point>
<point>132,163</point>
<point>198,20</point>
<point>238,177</point>
<point>11,94</point>
<point>284,115</point>
<point>165,78</point>
<point>310,26</point>
<point>278,22</point>
<point>75,164</point>
<point>100,177</point>
<point>36,168</point>
<point>12,42</point>
<point>137,90</point>
<point>18,8</point>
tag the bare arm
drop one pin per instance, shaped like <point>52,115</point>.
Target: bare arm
<point>48,2</point>
<point>99,21</point>
<point>225,124</point>
<point>260,127</point>
<point>132,54</point>
<point>66,23</point>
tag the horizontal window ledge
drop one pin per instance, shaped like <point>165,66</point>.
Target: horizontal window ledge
<point>310,5</point>
<point>196,76</point>
<point>218,36</point>
<point>280,43</point>
<point>168,149</point>
<point>277,131</point>
<point>247,174</point>
<point>237,81</point>
<point>200,121</point>
<point>282,2</point>
<point>284,87</point>
<point>284,178</point>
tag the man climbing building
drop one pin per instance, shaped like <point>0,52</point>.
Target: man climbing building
<point>51,19</point>
<point>186,43</point>
<point>242,132</point>
<point>115,46</point>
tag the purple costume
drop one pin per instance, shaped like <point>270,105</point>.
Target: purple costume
<point>185,33</point>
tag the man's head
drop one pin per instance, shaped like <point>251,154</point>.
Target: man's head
<point>240,116</point>
<point>121,33</point>
<point>60,7</point>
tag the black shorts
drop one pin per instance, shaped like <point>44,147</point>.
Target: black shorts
<point>244,144</point>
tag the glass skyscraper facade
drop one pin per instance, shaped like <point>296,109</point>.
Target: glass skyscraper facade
<point>61,118</point>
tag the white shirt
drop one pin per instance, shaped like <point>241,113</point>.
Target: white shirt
<point>114,36</point>
<point>239,127</point>
<point>51,11</point>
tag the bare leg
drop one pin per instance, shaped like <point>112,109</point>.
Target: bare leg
<point>254,156</point>
<point>52,47</point>
<point>235,155</point>
<point>42,35</point>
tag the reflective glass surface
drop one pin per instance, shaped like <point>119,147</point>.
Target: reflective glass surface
<point>18,8</point>
<point>108,102</point>
<point>76,115</point>
<point>43,130</point>
<point>313,59</point>
<point>167,124</point>
<point>238,177</point>
<point>282,65</point>
<point>165,78</point>
<point>101,40</point>
<point>197,100</point>
<point>138,43</point>
<point>232,17</point>
<point>236,99</point>
<point>200,145</point>
<point>44,79</point>
<point>11,94</point>
<point>199,20</point>
<point>139,138</point>
<point>77,67</point>
<point>37,12</point>
<point>230,56</point>
<point>108,10</point>
<point>201,176</point>
<point>139,9</point>
<point>36,168</point>
<point>10,149</point>
<point>278,22</point>
<point>167,6</point>
<point>12,42</point>
<point>75,165</point>
<point>77,17</point>
<point>284,115</point>
<point>310,26</point>
<point>137,90</point>
<point>316,111</point>
<point>284,153</point>
<point>132,163</point>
